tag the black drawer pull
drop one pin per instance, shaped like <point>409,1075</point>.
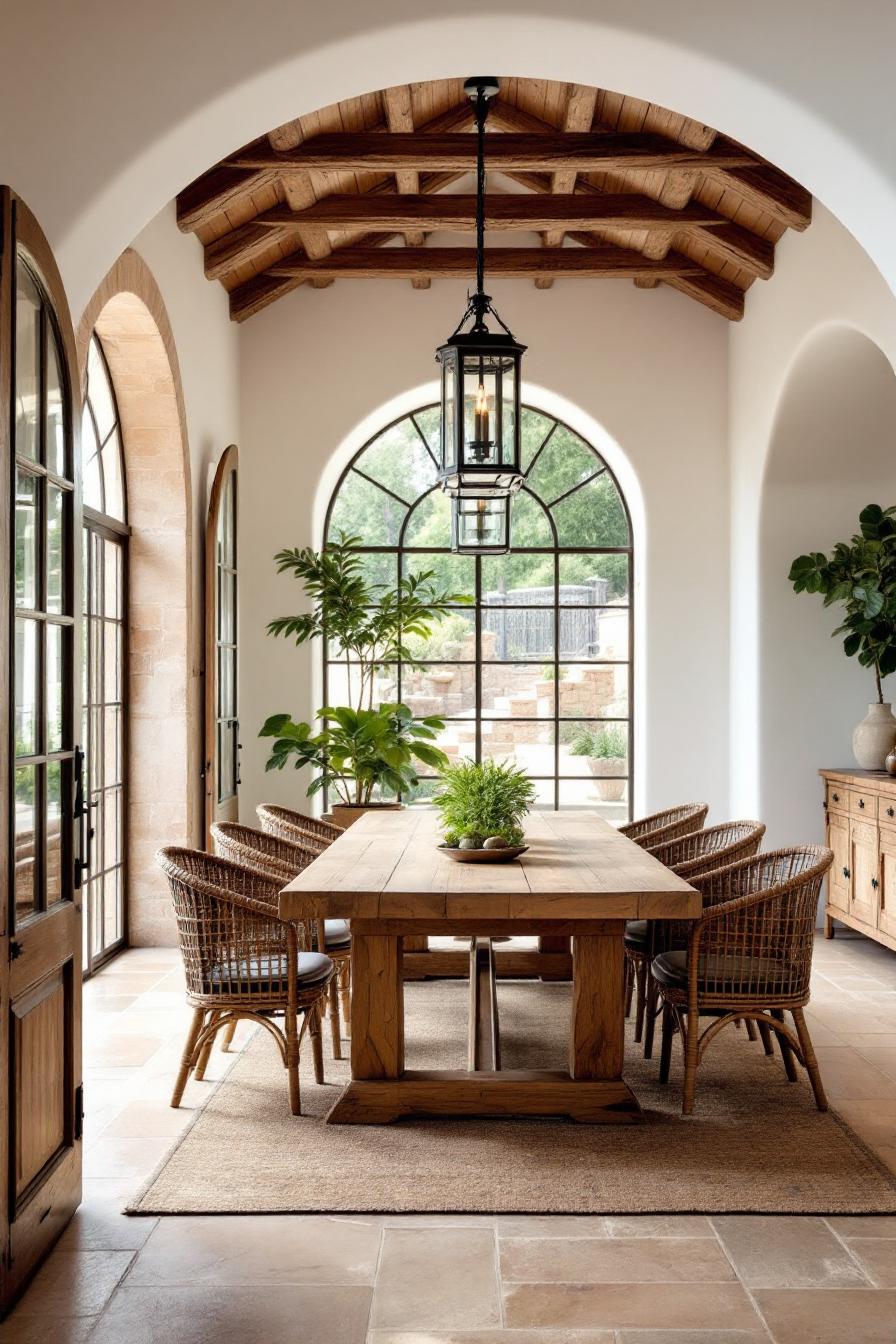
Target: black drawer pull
<point>891,812</point>
<point>846,872</point>
<point>861,802</point>
<point>836,797</point>
<point>875,884</point>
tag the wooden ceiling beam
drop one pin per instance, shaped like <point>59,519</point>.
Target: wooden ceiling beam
<point>514,263</point>
<point>580,104</point>
<point>552,151</point>
<point>215,190</point>
<point>399,110</point>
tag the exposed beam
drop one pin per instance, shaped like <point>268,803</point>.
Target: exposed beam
<point>398,107</point>
<point>720,295</point>
<point>583,152</point>
<point>215,190</point>
<point>580,105</point>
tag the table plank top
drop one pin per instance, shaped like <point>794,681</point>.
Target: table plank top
<point>388,866</point>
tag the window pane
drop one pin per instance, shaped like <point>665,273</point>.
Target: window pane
<point>450,573</point>
<point>226,539</point>
<point>93,486</point>
<point>26,743</point>
<point>112,557</point>
<point>343,686</point>
<point>111,854</point>
<point>227,607</point>
<point>99,390</point>
<point>112,476</point>
<point>524,692</point>
<point>429,422</point>
<point>112,924</point>
<point>226,761</point>
<point>430,522</point>
<point>533,432</point>
<point>565,462</point>
<point>226,683</point>
<point>379,568</point>
<point>525,580</point>
<point>112,679</point>
<point>452,637</point>
<point>398,460</point>
<point>54,678</point>
<point>593,692</point>
<point>609,797</point>
<point>526,744</point>
<point>594,580</point>
<point>363,510</point>
<point>444,689</point>
<point>55,523</point>
<point>593,516</point>
<point>26,540</point>
<point>28,306</point>
<point>586,741</point>
<point>25,780</point>
<point>55,419</point>
<point>96,916</point>
<point>54,832</point>
<point>112,746</point>
<point>517,633</point>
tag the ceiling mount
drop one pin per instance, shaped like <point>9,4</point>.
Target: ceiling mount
<point>485,86</point>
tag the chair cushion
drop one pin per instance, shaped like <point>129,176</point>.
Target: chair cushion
<point>636,934</point>
<point>267,974</point>
<point>336,933</point>
<point>735,974</point>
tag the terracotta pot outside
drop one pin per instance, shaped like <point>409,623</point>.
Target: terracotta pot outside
<point>346,816</point>
<point>608,790</point>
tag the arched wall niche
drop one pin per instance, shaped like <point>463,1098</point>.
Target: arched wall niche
<point>164,805</point>
<point>831,453</point>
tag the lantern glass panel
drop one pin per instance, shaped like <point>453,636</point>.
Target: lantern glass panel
<point>449,424</point>
<point>480,524</point>
<point>509,398</point>
<point>481,418</point>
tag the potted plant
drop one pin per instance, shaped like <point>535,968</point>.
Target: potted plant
<point>861,576</point>
<point>483,805</point>
<point>605,750</point>
<point>361,751</point>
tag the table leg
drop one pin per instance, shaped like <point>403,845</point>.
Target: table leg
<point>377,1024</point>
<point>484,1047</point>
<point>597,1039</point>
<point>559,946</point>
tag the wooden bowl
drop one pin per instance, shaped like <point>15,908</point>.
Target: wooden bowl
<point>484,855</point>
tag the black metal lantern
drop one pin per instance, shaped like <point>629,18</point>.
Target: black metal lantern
<point>480,439</point>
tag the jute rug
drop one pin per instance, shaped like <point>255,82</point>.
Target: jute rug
<point>755,1145</point>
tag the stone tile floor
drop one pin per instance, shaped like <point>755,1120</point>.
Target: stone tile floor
<point>453,1279</point>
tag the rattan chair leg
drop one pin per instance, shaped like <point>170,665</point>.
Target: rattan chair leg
<point>809,1058</point>
<point>186,1058</point>
<point>227,1038</point>
<point>651,1010</point>
<point>641,975</point>
<point>691,1052</point>
<point>317,1045</point>
<point>202,1061</point>
<point>766,1033</point>
<point>345,994</point>
<point>629,985</point>
<point>291,1032</point>
<point>751,1028</point>
<point>784,1047</point>
<point>335,1031</point>
<point>666,1045</point>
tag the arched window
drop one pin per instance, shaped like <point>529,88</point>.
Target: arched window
<point>539,669</point>
<point>104,661</point>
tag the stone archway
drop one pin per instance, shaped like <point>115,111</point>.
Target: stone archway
<point>164,804</point>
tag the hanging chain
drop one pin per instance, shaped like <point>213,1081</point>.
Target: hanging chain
<point>481,114</point>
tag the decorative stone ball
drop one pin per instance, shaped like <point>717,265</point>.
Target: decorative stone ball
<point>890,764</point>
<point>495,842</point>
<point>470,842</point>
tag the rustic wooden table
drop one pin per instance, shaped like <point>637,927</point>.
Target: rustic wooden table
<point>579,879</point>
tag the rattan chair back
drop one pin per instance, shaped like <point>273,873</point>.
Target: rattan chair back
<point>714,847</point>
<point>295,826</point>
<point>280,859</point>
<point>667,825</point>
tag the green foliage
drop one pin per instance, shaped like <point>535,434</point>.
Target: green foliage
<point>861,575</point>
<point>607,744</point>
<point>476,801</point>
<point>449,629</point>
<point>358,750</point>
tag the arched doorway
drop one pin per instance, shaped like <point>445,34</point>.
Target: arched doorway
<point>831,454</point>
<point>128,316</point>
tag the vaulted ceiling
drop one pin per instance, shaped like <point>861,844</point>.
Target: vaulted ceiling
<point>609,187</point>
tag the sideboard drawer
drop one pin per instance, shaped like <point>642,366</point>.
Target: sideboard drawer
<point>837,798</point>
<point>886,811</point>
<point>863,804</point>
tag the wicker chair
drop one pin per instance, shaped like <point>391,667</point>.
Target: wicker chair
<point>295,826</point>
<point>748,956</point>
<point>688,856</point>
<point>667,825</point>
<point>281,860</point>
<point>242,961</point>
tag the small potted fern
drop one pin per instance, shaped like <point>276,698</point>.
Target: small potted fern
<point>605,750</point>
<point>482,808</point>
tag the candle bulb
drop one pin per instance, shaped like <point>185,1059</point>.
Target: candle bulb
<point>481,420</point>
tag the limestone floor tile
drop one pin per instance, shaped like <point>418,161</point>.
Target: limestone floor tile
<point>274,1314</point>
<point>863,1041</point>
<point>74,1283</point>
<point>857,1225</point>
<point>33,1330</point>
<point>493,1337</point>
<point>829,1315</point>
<point>776,1252</point>
<point>227,1251</point>
<point>125,1157</point>
<point>849,1076</point>
<point>599,1225</point>
<point>874,1121</point>
<point>121,1048</point>
<point>692,1337</point>
<point>437,1279</point>
<point>675,1306</point>
<point>100,1225</point>
<point>614,1260</point>
<point>878,1258</point>
<point>882,1057</point>
<point>148,1120</point>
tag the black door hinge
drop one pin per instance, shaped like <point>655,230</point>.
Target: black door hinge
<point>79,1111</point>
<point>15,949</point>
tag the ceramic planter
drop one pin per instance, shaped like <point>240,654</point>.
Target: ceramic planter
<point>608,790</point>
<point>346,816</point>
<point>873,738</point>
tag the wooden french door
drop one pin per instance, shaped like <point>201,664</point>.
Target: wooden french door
<point>42,775</point>
<point>222,727</point>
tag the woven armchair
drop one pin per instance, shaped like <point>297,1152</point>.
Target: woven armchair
<point>242,961</point>
<point>748,956</point>
<point>688,856</point>
<point>282,859</point>
<point>295,826</point>
<point>667,825</point>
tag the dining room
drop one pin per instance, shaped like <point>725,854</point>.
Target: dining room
<point>452,771</point>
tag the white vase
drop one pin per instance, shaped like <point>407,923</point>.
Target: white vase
<point>873,738</point>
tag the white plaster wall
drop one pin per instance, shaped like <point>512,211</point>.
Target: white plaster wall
<point>793,711</point>
<point>808,85</point>
<point>650,367</point>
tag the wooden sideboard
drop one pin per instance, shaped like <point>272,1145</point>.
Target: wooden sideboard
<point>860,818</point>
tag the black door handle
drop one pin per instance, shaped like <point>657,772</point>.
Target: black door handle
<point>846,872</point>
